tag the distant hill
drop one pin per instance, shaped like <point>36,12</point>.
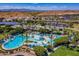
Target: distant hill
<point>60,12</point>
<point>23,12</point>
<point>14,14</point>
<point>43,12</point>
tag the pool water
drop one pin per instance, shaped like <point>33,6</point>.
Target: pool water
<point>37,40</point>
<point>15,42</point>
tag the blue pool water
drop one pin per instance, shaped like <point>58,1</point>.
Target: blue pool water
<point>40,41</point>
<point>15,42</point>
<point>37,39</point>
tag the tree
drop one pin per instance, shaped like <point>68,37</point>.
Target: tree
<point>1,30</point>
<point>12,32</point>
<point>7,28</point>
<point>50,48</point>
<point>17,30</point>
<point>40,51</point>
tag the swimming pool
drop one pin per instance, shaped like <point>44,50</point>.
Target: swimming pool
<point>37,40</point>
<point>41,39</point>
<point>15,42</point>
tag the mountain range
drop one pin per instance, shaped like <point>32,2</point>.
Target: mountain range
<point>21,10</point>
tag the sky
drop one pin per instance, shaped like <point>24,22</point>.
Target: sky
<point>40,6</point>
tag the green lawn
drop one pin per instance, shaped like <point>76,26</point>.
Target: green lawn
<point>63,51</point>
<point>2,36</point>
<point>61,39</point>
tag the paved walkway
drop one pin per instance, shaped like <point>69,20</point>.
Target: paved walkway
<point>20,53</point>
<point>24,54</point>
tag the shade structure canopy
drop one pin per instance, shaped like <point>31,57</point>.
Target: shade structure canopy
<point>9,23</point>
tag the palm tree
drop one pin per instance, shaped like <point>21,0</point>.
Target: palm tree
<point>22,26</point>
